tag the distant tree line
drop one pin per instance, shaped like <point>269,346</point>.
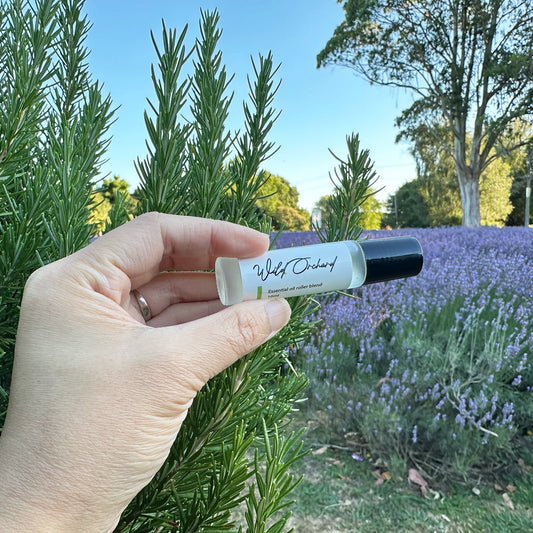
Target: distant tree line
<point>278,199</point>
<point>371,211</point>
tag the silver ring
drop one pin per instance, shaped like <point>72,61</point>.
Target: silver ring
<point>143,305</point>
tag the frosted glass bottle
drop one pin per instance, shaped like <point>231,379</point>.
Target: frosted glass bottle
<point>317,268</point>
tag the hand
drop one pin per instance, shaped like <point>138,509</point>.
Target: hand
<point>98,396</point>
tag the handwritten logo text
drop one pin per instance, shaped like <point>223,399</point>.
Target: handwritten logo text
<point>297,266</point>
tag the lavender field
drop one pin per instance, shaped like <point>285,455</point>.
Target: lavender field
<point>433,372</point>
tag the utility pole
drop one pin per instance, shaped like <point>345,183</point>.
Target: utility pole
<point>528,192</point>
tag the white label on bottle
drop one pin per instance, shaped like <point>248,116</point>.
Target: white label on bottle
<point>296,271</point>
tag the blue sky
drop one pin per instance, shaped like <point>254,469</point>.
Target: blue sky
<point>319,107</point>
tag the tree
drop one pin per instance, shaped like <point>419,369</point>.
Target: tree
<point>433,199</point>
<point>112,198</point>
<point>518,196</point>
<point>99,210</point>
<point>370,211</point>
<point>290,218</point>
<point>521,163</point>
<point>279,200</point>
<point>407,208</point>
<point>436,178</point>
<point>111,188</point>
<point>468,63</point>
<point>495,191</point>
<point>324,206</point>
<point>438,185</point>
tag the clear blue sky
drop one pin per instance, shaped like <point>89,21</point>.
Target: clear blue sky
<point>319,106</point>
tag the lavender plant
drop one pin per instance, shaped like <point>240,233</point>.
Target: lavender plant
<point>435,371</point>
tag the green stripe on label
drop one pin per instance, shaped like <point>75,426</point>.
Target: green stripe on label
<point>259,292</point>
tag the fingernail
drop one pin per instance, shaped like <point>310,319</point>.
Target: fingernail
<point>279,312</point>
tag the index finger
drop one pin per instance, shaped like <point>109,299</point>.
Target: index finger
<point>155,242</point>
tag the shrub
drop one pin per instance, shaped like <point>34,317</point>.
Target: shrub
<point>434,371</point>
<point>53,125</point>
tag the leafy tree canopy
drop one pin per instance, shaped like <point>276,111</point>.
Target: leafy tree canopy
<point>112,198</point>
<point>279,200</point>
<point>370,211</point>
<point>407,208</point>
<point>110,187</point>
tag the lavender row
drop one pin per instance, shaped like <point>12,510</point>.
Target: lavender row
<point>442,356</point>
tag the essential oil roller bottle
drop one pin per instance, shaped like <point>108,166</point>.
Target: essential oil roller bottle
<point>317,268</point>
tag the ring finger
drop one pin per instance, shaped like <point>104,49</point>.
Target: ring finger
<point>171,288</point>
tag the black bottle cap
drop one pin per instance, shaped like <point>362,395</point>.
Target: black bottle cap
<point>391,258</point>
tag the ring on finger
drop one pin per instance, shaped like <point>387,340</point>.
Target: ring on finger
<point>143,305</point>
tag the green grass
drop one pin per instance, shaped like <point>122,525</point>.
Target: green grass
<point>340,494</point>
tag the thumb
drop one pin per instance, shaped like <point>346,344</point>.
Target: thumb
<point>224,337</point>
<point>210,344</point>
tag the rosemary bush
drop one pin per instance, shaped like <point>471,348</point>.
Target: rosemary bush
<point>53,124</point>
<point>233,449</point>
<point>53,121</point>
<point>201,168</point>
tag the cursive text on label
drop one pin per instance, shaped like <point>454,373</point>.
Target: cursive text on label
<point>296,266</point>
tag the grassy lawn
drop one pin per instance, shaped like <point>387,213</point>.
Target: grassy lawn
<point>340,494</point>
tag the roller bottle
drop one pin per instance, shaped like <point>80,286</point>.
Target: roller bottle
<point>317,268</point>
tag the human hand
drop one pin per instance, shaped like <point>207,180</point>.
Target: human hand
<point>97,395</point>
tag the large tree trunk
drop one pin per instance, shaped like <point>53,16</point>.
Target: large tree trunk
<point>467,174</point>
<point>469,189</point>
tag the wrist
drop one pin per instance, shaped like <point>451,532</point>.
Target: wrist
<point>29,500</point>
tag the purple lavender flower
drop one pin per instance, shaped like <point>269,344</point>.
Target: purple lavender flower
<point>477,284</point>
